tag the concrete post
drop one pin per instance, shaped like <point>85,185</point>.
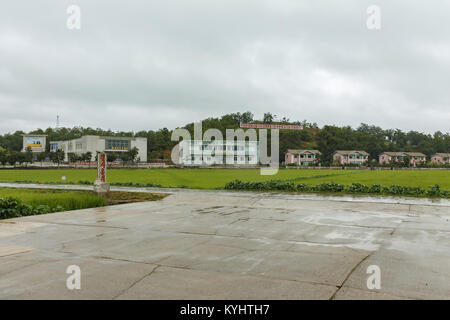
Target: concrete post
<point>100,185</point>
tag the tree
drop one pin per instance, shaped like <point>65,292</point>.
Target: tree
<point>406,161</point>
<point>112,156</point>
<point>28,156</point>
<point>3,156</point>
<point>41,157</point>
<point>73,157</point>
<point>88,157</point>
<point>125,157</point>
<point>132,154</point>
<point>57,156</point>
<point>12,157</point>
<point>268,117</point>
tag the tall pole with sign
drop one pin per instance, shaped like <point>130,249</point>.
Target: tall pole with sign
<point>100,185</point>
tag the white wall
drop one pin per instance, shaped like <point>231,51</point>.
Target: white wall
<point>96,144</point>
<point>141,144</point>
<point>214,153</point>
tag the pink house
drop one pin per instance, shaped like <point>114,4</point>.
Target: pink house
<point>392,157</point>
<point>350,157</point>
<point>440,158</point>
<point>302,157</point>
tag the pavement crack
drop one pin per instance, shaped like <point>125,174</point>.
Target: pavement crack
<point>349,274</point>
<point>136,282</point>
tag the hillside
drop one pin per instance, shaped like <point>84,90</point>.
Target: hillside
<point>327,139</point>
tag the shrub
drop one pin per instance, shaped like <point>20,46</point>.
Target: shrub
<point>357,188</point>
<point>375,188</point>
<point>11,208</point>
<point>434,191</point>
<point>303,187</point>
<point>329,187</point>
<point>276,185</point>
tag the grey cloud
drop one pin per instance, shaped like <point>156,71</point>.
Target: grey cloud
<point>148,64</point>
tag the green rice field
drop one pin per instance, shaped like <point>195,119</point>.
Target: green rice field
<point>217,178</point>
<point>68,199</point>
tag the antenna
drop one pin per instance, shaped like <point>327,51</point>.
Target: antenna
<point>57,121</point>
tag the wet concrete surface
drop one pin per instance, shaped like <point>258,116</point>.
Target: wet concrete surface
<point>231,245</point>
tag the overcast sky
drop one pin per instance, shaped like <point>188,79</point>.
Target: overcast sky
<point>140,65</point>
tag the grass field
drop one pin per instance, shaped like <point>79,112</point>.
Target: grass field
<point>217,178</point>
<point>69,200</point>
<point>64,200</point>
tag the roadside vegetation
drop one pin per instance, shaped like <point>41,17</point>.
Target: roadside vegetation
<point>16,202</point>
<point>332,187</point>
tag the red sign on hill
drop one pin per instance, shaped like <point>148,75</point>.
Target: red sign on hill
<point>271,126</point>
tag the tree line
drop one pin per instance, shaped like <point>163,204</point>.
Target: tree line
<point>329,138</point>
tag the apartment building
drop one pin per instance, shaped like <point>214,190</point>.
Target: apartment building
<point>392,157</point>
<point>302,157</point>
<point>220,152</point>
<point>357,157</point>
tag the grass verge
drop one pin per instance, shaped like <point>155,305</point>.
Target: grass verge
<point>16,202</point>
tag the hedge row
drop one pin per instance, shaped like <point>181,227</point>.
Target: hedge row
<point>12,208</point>
<point>432,191</point>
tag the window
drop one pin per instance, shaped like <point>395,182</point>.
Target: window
<point>78,146</point>
<point>117,144</point>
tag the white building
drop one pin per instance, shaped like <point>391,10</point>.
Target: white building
<point>198,152</point>
<point>96,144</point>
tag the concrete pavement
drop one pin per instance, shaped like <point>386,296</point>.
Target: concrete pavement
<point>231,245</point>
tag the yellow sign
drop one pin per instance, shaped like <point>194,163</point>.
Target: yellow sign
<point>34,142</point>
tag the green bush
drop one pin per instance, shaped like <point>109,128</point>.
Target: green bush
<point>356,188</point>
<point>329,187</point>
<point>12,208</point>
<point>434,191</point>
<point>375,188</point>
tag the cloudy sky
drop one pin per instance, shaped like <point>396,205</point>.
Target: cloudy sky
<point>140,65</point>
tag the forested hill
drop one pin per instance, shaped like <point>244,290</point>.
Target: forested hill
<point>372,139</point>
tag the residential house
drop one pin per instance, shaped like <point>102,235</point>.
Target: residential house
<point>302,157</point>
<point>392,157</point>
<point>440,158</point>
<point>350,157</point>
